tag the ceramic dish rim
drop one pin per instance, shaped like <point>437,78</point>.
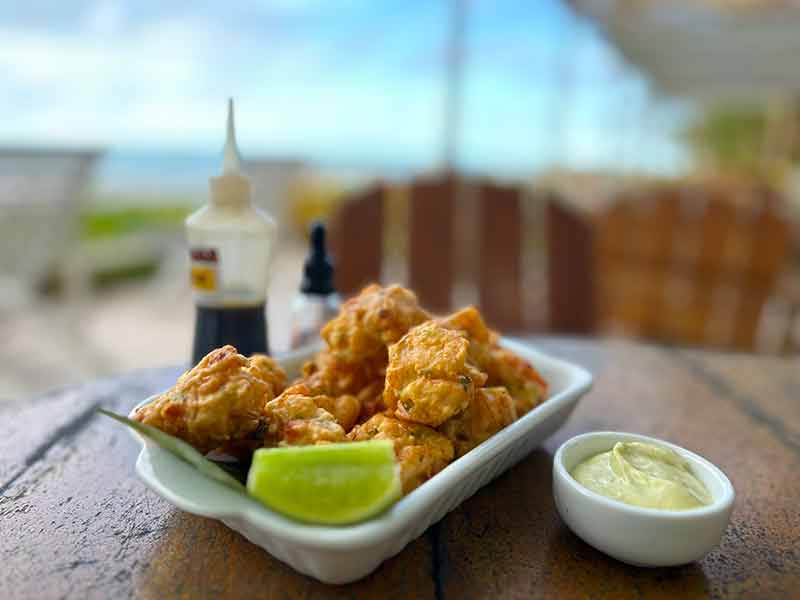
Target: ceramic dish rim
<point>719,504</point>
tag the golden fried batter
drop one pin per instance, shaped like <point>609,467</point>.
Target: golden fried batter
<point>469,321</point>
<point>347,391</point>
<point>523,382</point>
<point>345,408</point>
<point>371,400</point>
<point>298,420</point>
<point>481,339</point>
<point>327,375</point>
<point>266,369</point>
<point>429,378</point>
<point>503,366</point>
<point>490,410</point>
<point>218,401</point>
<point>371,321</point>
<point>421,451</point>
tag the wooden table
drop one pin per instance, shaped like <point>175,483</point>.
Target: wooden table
<point>76,523</point>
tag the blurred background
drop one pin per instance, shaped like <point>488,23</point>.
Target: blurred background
<point>581,167</point>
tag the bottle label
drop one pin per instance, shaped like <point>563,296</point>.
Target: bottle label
<point>204,270</point>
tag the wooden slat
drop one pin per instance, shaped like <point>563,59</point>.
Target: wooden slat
<point>612,231</point>
<point>718,222</point>
<point>571,271</point>
<point>638,298</point>
<point>662,231</point>
<point>746,317</point>
<point>769,387</point>
<point>771,244</point>
<point>666,237</point>
<point>431,268</point>
<point>656,280</point>
<point>535,306</point>
<point>500,257</point>
<point>32,427</point>
<point>737,256</point>
<point>356,240</point>
<point>23,436</point>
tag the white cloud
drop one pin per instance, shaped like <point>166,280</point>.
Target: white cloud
<point>165,83</point>
<point>315,78</point>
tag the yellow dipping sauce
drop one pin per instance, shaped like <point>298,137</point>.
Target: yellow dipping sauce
<point>643,475</point>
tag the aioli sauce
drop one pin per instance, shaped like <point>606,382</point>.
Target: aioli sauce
<point>643,475</point>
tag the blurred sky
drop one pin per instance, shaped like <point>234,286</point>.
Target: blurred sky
<point>354,81</point>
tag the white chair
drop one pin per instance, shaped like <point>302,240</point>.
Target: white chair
<point>40,191</point>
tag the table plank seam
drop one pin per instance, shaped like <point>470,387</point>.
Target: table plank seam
<point>66,431</point>
<point>437,559</point>
<point>745,402</point>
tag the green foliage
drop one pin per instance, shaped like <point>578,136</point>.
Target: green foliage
<point>729,137</point>
<point>112,222</point>
<point>108,278</point>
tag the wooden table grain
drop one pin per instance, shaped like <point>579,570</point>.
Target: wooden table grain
<point>76,523</point>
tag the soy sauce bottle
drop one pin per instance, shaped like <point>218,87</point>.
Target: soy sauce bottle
<point>230,246</point>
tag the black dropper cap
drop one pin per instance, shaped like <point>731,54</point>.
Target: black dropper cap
<point>318,269</point>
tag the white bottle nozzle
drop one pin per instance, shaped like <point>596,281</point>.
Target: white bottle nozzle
<point>231,162</point>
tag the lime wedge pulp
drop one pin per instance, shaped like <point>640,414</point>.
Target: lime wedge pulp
<point>330,484</point>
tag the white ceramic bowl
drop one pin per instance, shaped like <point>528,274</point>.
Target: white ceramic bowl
<point>343,554</point>
<point>645,537</point>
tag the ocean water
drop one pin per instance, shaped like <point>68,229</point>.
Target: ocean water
<point>154,172</point>
<point>146,174</point>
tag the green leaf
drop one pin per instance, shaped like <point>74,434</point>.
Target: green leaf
<point>180,449</point>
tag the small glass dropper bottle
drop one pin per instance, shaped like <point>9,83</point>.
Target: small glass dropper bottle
<point>317,301</point>
<point>230,245</point>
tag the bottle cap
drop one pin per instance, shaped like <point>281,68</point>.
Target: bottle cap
<point>318,268</point>
<point>231,159</point>
<point>232,187</point>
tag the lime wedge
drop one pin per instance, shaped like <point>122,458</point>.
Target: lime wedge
<point>330,484</point>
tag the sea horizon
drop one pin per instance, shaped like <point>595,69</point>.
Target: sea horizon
<point>156,172</point>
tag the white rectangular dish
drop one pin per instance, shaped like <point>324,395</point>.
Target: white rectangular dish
<point>345,554</point>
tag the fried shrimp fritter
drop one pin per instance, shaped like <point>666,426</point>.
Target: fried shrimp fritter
<point>503,366</point>
<point>216,402</point>
<point>327,375</point>
<point>371,400</point>
<point>345,408</point>
<point>346,391</point>
<point>469,321</point>
<point>421,451</point>
<point>266,369</point>
<point>298,420</point>
<point>523,382</point>
<point>370,322</point>
<point>490,410</point>
<point>429,378</point>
